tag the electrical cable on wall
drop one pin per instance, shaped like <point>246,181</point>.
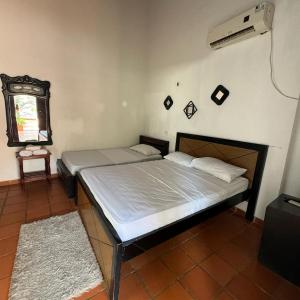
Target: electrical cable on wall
<point>272,72</point>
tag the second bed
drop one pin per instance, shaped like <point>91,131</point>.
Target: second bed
<point>72,162</point>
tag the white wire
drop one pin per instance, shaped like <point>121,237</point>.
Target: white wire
<point>272,73</point>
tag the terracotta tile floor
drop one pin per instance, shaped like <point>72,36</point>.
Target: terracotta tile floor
<point>214,260</point>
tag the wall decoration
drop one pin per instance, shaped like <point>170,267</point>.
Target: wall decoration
<point>190,109</point>
<point>219,95</point>
<point>168,102</point>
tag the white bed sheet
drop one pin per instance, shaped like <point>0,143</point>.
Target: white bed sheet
<point>77,160</point>
<point>139,198</point>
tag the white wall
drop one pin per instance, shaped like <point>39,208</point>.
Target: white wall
<point>112,61</point>
<point>254,112</point>
<point>291,182</point>
<point>92,52</point>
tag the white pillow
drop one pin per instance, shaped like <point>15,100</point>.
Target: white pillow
<point>180,158</point>
<point>218,168</point>
<point>145,149</point>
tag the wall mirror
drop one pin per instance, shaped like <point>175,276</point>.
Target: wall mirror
<point>27,110</point>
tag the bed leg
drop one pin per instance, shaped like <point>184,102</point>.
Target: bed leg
<point>114,292</point>
<point>251,208</point>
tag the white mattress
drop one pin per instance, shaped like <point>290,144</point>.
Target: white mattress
<point>77,160</point>
<point>139,198</point>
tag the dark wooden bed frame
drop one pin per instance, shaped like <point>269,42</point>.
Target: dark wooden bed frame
<point>111,251</point>
<point>69,180</point>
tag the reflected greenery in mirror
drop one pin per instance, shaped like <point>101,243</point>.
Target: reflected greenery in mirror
<point>27,110</point>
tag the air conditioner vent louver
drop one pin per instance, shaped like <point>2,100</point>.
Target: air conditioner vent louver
<point>257,20</point>
<point>232,36</point>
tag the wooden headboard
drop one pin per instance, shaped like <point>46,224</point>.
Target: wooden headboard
<point>242,154</point>
<point>238,156</point>
<point>161,145</point>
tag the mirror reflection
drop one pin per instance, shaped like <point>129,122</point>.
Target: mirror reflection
<point>30,124</point>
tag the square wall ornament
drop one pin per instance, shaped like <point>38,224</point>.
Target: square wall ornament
<point>190,109</point>
<point>168,102</point>
<point>220,95</point>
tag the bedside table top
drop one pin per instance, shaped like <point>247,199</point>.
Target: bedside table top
<point>33,156</point>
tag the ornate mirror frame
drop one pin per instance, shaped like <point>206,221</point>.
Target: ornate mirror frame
<point>24,85</point>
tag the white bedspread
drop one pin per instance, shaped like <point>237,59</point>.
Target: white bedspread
<point>77,160</point>
<point>139,198</point>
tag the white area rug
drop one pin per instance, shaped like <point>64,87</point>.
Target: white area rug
<point>54,260</point>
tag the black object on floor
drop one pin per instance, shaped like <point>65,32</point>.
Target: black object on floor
<point>280,244</point>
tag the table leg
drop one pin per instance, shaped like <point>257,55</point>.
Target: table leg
<point>47,168</point>
<point>22,176</point>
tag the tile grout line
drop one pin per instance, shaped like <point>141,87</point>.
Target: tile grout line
<point>178,278</point>
<point>143,284</point>
<point>198,264</point>
<point>239,272</point>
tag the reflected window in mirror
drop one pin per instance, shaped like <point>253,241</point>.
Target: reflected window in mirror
<point>27,110</point>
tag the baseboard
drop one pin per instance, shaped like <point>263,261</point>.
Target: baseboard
<point>257,222</point>
<point>17,181</point>
<point>9,182</point>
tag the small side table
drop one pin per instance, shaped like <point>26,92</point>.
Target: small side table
<point>280,244</point>
<point>37,175</point>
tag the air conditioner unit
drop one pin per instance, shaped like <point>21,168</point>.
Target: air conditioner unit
<point>257,20</point>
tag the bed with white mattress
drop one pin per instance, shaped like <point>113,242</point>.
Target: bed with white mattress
<point>73,161</point>
<point>143,197</point>
<point>78,160</point>
<point>127,209</point>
